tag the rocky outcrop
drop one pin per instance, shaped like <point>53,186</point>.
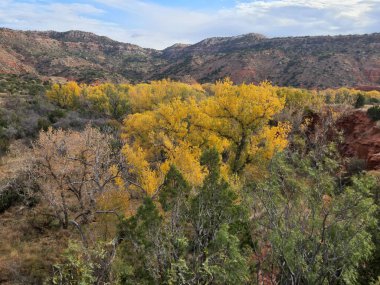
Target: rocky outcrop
<point>310,62</point>
<point>361,138</point>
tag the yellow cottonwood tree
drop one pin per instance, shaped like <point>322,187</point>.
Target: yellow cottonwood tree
<point>156,139</point>
<point>237,115</point>
<point>105,98</point>
<point>174,122</point>
<point>234,121</point>
<point>144,97</point>
<point>66,95</point>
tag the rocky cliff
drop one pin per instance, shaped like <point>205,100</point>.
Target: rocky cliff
<point>311,62</point>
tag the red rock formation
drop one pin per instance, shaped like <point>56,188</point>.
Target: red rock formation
<point>367,88</point>
<point>362,138</point>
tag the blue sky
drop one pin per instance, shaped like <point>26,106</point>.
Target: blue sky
<point>161,23</point>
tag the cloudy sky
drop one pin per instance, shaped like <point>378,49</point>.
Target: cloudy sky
<point>161,23</point>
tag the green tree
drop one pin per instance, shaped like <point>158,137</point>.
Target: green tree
<point>374,113</point>
<point>213,208</point>
<point>148,247</point>
<point>316,228</point>
<point>360,101</point>
<point>81,266</point>
<point>369,272</point>
<point>194,241</point>
<point>118,104</point>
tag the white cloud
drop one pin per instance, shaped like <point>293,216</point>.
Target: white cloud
<point>50,16</point>
<point>164,26</point>
<point>302,17</point>
<point>157,26</point>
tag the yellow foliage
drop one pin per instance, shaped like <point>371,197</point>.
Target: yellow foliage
<point>114,199</point>
<point>236,116</point>
<point>271,140</point>
<point>234,121</point>
<point>66,95</point>
<point>186,158</point>
<point>144,97</point>
<point>298,99</point>
<point>107,98</point>
<point>146,176</point>
<point>169,122</point>
<point>173,122</point>
<point>346,95</point>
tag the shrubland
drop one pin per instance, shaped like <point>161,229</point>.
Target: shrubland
<point>174,183</point>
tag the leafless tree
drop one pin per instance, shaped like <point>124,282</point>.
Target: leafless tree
<point>72,169</point>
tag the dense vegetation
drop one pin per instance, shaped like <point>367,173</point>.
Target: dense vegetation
<point>172,183</point>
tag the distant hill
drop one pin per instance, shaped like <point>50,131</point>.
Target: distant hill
<point>312,62</point>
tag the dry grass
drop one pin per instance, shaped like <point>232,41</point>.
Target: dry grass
<point>27,249</point>
<point>13,162</point>
<point>31,241</point>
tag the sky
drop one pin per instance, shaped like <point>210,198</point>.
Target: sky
<point>162,23</point>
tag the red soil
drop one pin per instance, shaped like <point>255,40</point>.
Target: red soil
<point>362,138</point>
